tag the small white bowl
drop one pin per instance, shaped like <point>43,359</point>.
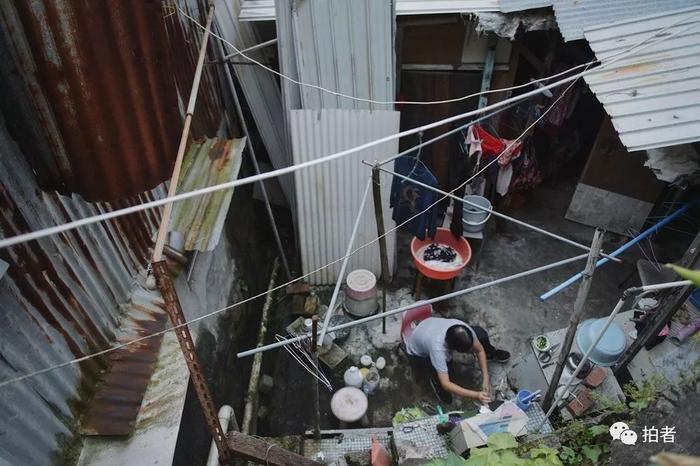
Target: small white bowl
<point>548,344</point>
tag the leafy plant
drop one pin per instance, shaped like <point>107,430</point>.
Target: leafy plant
<point>583,444</point>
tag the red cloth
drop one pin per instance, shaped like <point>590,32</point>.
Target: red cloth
<point>492,147</point>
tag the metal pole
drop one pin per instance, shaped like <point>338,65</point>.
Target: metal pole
<point>494,212</point>
<point>184,337</point>
<point>381,234</point>
<point>665,311</point>
<point>575,316</point>
<point>348,254</point>
<point>314,352</point>
<point>256,167</point>
<point>399,310</point>
<point>172,188</point>
<point>625,295</point>
<point>648,232</point>
<point>261,45</point>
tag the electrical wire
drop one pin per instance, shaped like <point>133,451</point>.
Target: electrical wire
<point>532,82</point>
<point>226,308</point>
<point>144,206</point>
<point>5,242</point>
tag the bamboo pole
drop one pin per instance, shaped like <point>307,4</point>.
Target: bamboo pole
<point>381,234</point>
<point>172,188</point>
<point>575,317</point>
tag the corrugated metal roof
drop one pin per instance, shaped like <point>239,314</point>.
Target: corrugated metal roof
<point>262,10</point>
<point>509,6</point>
<point>261,90</point>
<point>61,298</point>
<point>200,220</point>
<point>328,195</point>
<point>345,46</point>
<point>573,16</point>
<point>91,98</point>
<point>653,96</point>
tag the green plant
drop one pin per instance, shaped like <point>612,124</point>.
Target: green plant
<point>583,444</point>
<point>642,395</point>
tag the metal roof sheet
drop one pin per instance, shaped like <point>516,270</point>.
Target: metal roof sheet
<point>261,10</point>
<point>347,47</point>
<point>652,96</point>
<point>573,16</point>
<point>509,6</point>
<point>327,199</point>
<point>208,162</point>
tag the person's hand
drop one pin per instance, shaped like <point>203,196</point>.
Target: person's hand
<point>484,397</point>
<point>486,386</point>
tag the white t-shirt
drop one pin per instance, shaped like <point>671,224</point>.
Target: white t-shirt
<point>428,341</point>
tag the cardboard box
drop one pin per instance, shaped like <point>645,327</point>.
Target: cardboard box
<point>474,431</point>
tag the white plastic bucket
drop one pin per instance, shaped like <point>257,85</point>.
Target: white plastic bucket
<point>473,218</point>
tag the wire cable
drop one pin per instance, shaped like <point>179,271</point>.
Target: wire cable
<point>5,242</point>
<point>412,102</point>
<point>89,220</point>
<point>239,303</point>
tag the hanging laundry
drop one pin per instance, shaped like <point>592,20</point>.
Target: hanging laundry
<point>408,199</point>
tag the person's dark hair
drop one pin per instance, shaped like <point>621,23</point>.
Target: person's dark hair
<point>458,338</point>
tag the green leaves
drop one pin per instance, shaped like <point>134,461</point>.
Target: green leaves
<point>592,453</point>
<point>502,441</point>
<point>598,430</point>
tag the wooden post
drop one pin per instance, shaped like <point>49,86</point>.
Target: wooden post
<point>314,352</point>
<point>668,307</point>
<point>575,317</point>
<point>379,218</point>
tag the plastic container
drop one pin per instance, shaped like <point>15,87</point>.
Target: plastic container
<point>609,348</point>
<point>353,377</point>
<point>371,381</point>
<point>474,219</point>
<point>442,236</point>
<point>522,394</point>
<point>360,293</point>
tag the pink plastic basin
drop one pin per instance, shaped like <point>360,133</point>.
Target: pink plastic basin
<point>442,236</point>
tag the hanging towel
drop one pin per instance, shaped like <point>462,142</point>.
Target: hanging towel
<point>408,199</point>
<point>505,174</point>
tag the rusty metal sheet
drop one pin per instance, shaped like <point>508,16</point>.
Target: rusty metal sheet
<point>93,86</point>
<point>62,297</point>
<point>116,404</point>
<point>207,162</point>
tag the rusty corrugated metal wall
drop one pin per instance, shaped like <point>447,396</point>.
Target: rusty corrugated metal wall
<point>96,88</point>
<point>62,297</point>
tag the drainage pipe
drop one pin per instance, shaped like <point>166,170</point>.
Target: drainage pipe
<point>252,398</point>
<point>225,415</point>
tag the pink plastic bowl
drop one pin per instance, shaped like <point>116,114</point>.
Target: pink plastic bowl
<point>442,236</point>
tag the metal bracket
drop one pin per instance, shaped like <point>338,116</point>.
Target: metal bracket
<point>184,337</point>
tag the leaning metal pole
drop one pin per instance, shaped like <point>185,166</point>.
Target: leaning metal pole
<point>575,317</point>
<point>381,234</point>
<point>184,337</point>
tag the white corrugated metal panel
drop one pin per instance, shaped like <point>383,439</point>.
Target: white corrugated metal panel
<point>329,195</point>
<point>262,10</point>
<point>427,7</point>
<point>652,96</point>
<point>573,16</point>
<point>509,6</point>
<point>260,88</point>
<point>345,46</point>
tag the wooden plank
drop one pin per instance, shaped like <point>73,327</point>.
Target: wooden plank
<point>261,451</point>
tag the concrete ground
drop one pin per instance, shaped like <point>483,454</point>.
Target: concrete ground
<point>511,312</point>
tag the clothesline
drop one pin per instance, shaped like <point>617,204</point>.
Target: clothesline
<point>437,299</point>
<point>17,239</point>
<point>133,209</point>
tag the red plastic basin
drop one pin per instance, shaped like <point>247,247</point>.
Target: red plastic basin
<point>442,236</point>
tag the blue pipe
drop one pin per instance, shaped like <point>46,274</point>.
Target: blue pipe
<point>621,249</point>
